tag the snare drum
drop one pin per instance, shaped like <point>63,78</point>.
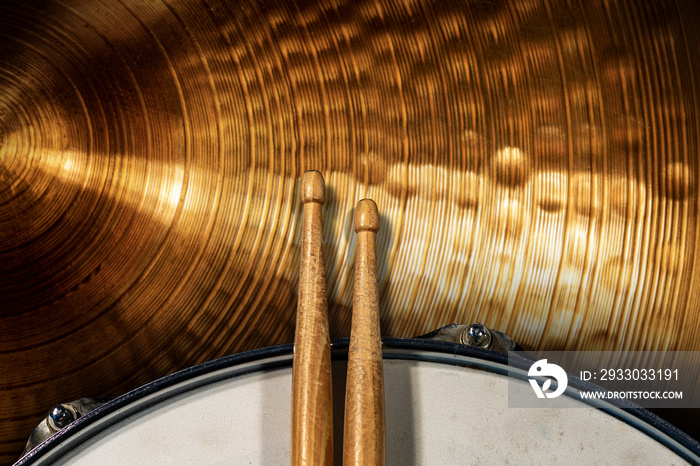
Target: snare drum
<point>445,404</point>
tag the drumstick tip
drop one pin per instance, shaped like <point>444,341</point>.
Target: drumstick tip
<point>366,216</point>
<point>313,188</point>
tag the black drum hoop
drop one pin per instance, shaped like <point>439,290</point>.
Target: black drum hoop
<point>264,359</point>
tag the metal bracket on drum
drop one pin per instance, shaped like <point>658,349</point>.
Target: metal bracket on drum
<point>59,417</point>
<point>476,334</point>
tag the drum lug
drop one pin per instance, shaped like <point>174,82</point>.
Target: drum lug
<point>59,417</point>
<point>476,334</point>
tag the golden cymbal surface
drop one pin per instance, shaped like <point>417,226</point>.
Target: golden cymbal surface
<point>534,163</point>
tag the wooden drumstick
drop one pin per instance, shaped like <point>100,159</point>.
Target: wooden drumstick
<point>364,432</point>
<point>312,399</point>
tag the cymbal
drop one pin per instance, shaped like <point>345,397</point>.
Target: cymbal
<point>534,163</point>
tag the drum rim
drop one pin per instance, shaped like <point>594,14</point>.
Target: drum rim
<point>255,360</point>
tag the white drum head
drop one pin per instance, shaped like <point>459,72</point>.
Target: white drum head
<point>440,409</point>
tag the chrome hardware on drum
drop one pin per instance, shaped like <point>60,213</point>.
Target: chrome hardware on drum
<point>446,403</point>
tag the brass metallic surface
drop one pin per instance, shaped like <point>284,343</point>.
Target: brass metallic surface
<point>535,164</point>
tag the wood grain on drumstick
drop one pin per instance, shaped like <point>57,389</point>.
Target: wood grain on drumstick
<point>312,400</point>
<point>364,433</point>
